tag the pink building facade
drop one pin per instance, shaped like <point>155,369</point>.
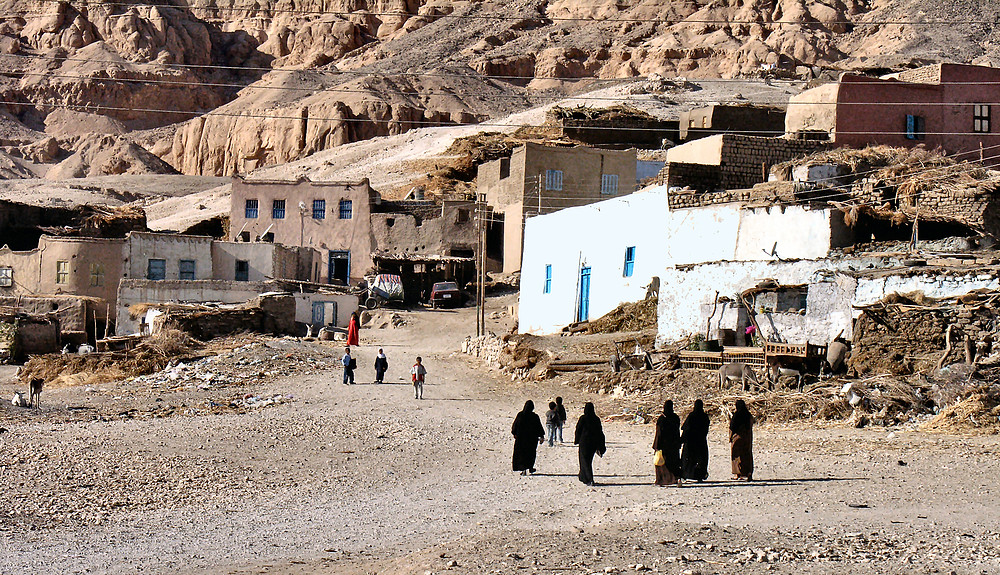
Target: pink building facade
<point>947,106</point>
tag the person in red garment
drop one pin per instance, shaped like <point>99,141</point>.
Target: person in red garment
<point>352,330</point>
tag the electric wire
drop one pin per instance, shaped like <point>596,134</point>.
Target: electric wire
<point>519,18</point>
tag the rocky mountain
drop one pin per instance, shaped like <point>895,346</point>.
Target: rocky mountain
<point>216,87</point>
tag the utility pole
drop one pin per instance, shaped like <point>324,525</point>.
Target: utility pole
<point>540,176</point>
<point>482,271</point>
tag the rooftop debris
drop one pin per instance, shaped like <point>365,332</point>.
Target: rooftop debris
<point>583,112</point>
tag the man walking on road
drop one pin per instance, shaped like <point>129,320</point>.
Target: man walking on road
<point>418,372</point>
<point>349,365</point>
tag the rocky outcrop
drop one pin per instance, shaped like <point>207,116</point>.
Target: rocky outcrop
<point>355,69</point>
<point>108,156</point>
<point>259,129</point>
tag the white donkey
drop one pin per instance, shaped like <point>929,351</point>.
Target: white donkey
<point>737,372</point>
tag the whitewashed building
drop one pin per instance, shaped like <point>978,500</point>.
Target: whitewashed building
<point>582,262</point>
<point>814,300</point>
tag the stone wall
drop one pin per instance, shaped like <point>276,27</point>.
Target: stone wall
<point>693,199</point>
<point>908,341</point>
<point>489,348</point>
<point>923,75</point>
<point>267,314</point>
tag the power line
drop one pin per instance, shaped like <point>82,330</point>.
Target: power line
<point>92,108</point>
<point>518,18</point>
<point>471,74</point>
<point>459,93</point>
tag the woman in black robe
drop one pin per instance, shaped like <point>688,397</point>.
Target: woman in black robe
<point>528,434</point>
<point>668,442</point>
<point>741,441</point>
<point>590,438</point>
<point>694,438</point>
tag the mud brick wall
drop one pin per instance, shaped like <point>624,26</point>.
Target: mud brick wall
<point>746,159</point>
<point>903,342</point>
<point>923,75</point>
<point>973,207</point>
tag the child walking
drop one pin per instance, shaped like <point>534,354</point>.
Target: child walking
<point>418,371</point>
<point>552,422</point>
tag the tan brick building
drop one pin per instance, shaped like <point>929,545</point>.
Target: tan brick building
<point>538,179</point>
<point>332,217</point>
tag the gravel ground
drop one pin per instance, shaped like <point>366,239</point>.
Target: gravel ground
<point>365,479</point>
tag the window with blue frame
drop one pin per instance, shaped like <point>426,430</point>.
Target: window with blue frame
<point>319,209</point>
<point>186,270</point>
<point>242,271</point>
<point>346,209</point>
<point>548,279</point>
<point>609,183</point>
<point>629,261</point>
<point>914,127</point>
<point>278,209</point>
<point>251,209</point>
<point>553,180</point>
<point>156,269</point>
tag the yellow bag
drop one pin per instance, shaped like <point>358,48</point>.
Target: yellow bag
<point>658,458</point>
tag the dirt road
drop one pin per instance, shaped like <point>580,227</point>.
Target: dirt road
<point>365,479</point>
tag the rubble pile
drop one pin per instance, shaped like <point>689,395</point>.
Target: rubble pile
<point>249,364</point>
<point>629,316</point>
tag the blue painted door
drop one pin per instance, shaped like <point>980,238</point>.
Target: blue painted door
<point>583,310</point>
<point>318,315</point>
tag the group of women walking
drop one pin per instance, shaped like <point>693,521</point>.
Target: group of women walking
<point>681,451</point>
<point>529,434</point>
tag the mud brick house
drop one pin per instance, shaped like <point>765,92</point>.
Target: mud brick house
<point>332,217</point>
<point>942,105</point>
<point>169,268</point>
<point>731,119</point>
<point>729,161</point>
<point>74,278</point>
<point>538,179</point>
<point>425,242</point>
<point>424,227</point>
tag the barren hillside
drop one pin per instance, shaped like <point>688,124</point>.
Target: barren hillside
<point>216,88</point>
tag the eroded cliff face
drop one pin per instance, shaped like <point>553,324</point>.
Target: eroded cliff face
<point>246,87</point>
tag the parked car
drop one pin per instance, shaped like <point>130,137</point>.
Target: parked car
<point>445,294</point>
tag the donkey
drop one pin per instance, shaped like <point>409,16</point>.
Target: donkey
<point>777,368</point>
<point>737,372</point>
<point>35,391</point>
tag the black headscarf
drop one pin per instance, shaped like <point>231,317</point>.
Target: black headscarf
<point>668,407</point>
<point>696,423</point>
<point>589,434</point>
<point>529,406</point>
<point>742,418</point>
